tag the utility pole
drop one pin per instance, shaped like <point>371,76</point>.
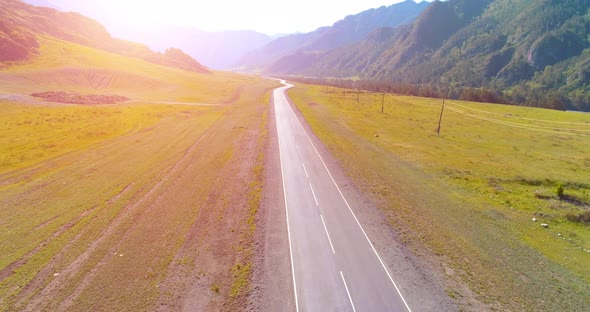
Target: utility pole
<point>382,102</point>
<point>440,119</point>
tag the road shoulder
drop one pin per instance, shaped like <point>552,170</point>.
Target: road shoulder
<point>419,286</point>
<point>272,289</point>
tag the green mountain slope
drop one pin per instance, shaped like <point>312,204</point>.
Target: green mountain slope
<point>21,22</point>
<point>351,29</point>
<point>527,50</point>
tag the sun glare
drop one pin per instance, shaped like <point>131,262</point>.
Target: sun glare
<point>261,15</point>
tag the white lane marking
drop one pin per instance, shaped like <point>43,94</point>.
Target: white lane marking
<point>347,292</point>
<point>306,175</point>
<point>287,214</point>
<point>328,234</point>
<point>313,193</point>
<point>355,218</point>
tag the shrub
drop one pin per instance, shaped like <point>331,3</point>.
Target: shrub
<point>559,191</point>
<point>215,289</point>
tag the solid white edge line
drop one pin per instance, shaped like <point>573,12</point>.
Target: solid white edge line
<point>286,209</point>
<point>306,175</point>
<point>349,208</point>
<point>347,292</point>
<point>328,234</point>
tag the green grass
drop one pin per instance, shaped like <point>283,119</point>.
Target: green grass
<point>77,196</point>
<point>97,200</point>
<point>31,133</point>
<point>474,190</point>
<point>64,66</point>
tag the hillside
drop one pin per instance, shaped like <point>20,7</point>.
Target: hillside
<point>21,23</point>
<point>103,149</point>
<point>351,29</point>
<point>217,50</point>
<point>528,52</point>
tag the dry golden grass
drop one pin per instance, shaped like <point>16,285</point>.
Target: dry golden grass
<point>465,200</point>
<point>99,205</point>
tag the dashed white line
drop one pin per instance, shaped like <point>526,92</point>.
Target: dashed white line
<point>347,292</point>
<point>328,234</point>
<point>288,227</point>
<point>306,175</point>
<point>355,218</point>
<point>313,193</point>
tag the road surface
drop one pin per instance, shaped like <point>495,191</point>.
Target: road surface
<point>334,266</point>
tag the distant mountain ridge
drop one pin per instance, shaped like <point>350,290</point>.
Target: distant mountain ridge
<point>21,22</point>
<point>218,50</point>
<point>533,51</point>
<point>351,29</point>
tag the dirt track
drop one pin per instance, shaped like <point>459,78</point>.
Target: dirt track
<point>157,218</point>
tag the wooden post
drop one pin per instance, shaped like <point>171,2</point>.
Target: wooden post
<point>440,119</point>
<point>382,102</point>
<point>358,94</point>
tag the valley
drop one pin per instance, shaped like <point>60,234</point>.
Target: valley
<point>368,179</point>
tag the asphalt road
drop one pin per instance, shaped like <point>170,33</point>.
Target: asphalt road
<point>334,266</point>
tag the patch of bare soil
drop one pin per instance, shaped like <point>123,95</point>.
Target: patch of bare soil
<point>76,98</point>
<point>272,286</point>
<point>204,274</point>
<point>180,241</point>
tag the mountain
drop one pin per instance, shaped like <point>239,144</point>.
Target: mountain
<point>21,24</point>
<point>527,50</point>
<point>218,50</point>
<point>351,29</point>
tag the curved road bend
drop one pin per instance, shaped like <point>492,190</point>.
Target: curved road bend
<point>334,265</point>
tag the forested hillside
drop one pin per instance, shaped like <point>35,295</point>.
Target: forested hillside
<point>351,29</point>
<point>531,52</point>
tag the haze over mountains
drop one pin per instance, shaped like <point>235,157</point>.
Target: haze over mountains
<point>351,29</point>
<point>236,49</point>
<point>21,23</point>
<point>217,50</point>
<point>534,52</point>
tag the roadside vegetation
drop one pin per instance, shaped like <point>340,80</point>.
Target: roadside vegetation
<point>142,205</point>
<point>497,204</point>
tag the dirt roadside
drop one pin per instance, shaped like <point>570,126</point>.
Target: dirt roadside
<point>174,234</point>
<point>273,290</point>
<point>206,271</point>
<point>272,287</point>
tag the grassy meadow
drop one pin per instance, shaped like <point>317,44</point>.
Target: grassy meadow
<point>472,201</point>
<point>132,206</point>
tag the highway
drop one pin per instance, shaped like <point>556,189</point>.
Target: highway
<point>334,265</point>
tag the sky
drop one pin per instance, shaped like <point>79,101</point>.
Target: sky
<point>266,16</point>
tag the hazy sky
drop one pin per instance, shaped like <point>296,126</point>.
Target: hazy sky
<point>266,16</point>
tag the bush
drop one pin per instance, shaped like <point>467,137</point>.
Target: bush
<point>559,191</point>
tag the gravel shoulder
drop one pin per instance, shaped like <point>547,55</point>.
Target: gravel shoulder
<point>271,280</point>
